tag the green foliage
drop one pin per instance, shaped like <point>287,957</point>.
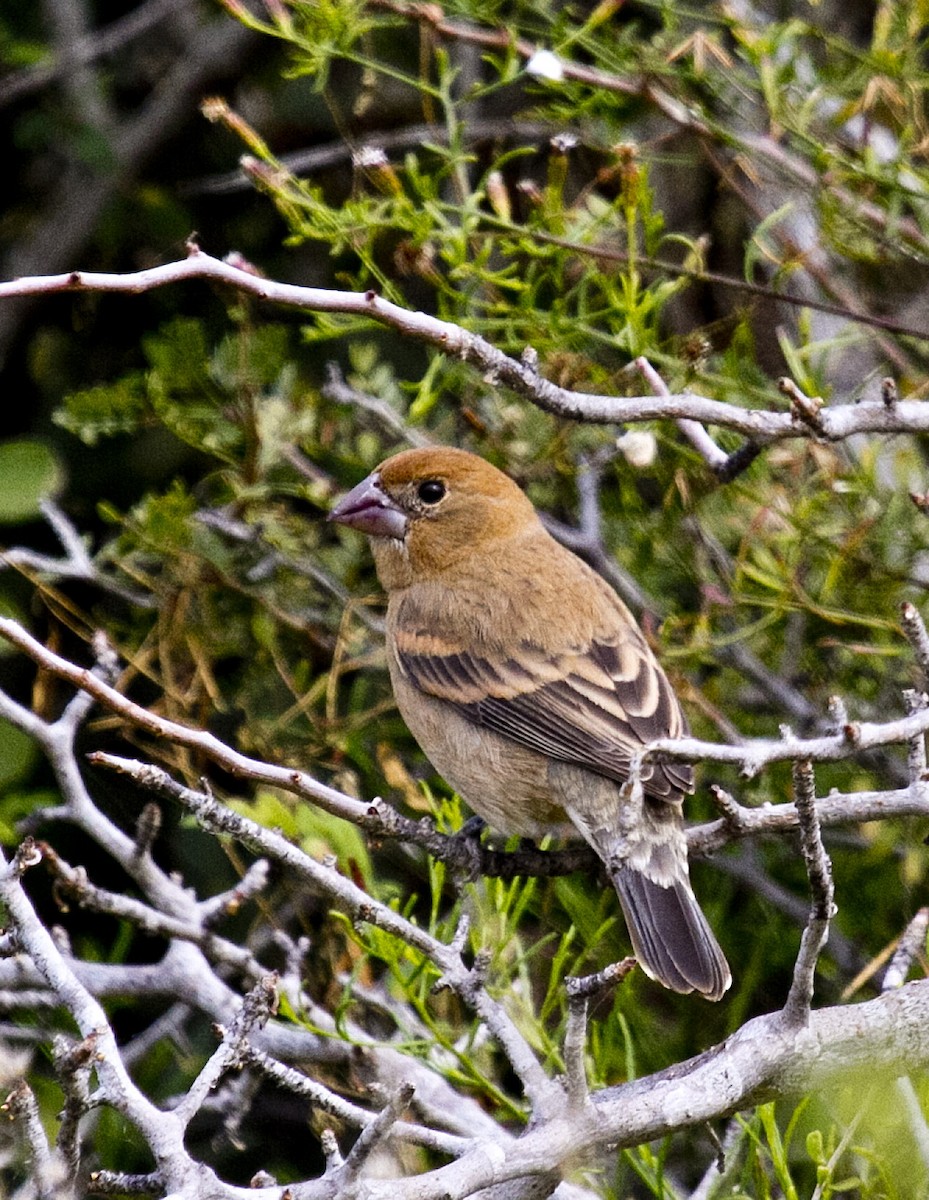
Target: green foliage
<point>318,834</point>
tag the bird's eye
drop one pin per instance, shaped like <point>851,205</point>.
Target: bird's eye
<point>431,491</point>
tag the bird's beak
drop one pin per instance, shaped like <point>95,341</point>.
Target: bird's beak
<point>368,507</point>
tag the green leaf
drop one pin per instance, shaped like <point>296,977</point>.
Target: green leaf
<point>14,806</point>
<point>18,753</point>
<point>105,411</point>
<point>251,359</point>
<point>178,354</point>
<point>30,472</point>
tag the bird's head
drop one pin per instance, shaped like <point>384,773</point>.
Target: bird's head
<point>429,510</point>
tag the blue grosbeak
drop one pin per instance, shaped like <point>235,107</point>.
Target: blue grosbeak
<point>529,686</point>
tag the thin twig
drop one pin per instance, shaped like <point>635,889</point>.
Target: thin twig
<point>916,748</point>
<point>344,1110</point>
<point>911,946</point>
<point>122,1183</point>
<point>380,820</point>
<point>721,1168</point>
<point>73,1065</point>
<point>361,907</point>
<point>161,1130</point>
<point>339,391</point>
<point>48,1172</point>
<point>915,629</point>
<point>580,990</point>
<point>822,908</point>
<point>716,458</point>
<point>73,884</point>
<point>374,1134</point>
<point>256,1010</point>
<point>766,147</point>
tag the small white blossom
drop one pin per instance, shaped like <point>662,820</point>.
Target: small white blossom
<point>638,447</point>
<point>563,143</point>
<point>369,158</point>
<point>545,65</point>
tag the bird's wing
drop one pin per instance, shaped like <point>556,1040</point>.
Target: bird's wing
<point>593,707</point>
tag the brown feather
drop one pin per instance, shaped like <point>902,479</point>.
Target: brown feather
<point>567,717</point>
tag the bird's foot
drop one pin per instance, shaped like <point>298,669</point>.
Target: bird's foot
<point>467,849</point>
<point>472,828</point>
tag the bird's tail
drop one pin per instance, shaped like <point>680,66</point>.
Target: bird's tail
<point>670,935</point>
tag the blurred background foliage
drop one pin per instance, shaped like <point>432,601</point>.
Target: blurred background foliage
<point>735,191</point>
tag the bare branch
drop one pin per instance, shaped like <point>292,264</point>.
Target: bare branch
<point>915,629</point>
<point>329,154</point>
<point>717,1173</point>
<point>373,1135</point>
<point>911,946</point>
<point>74,884</point>
<point>763,427</point>
<point>543,1094</point>
<point>838,808</point>
<point>580,991</point>
<point>227,904</point>
<point>916,748</point>
<point>255,1011</point>
<point>819,871</point>
<point>382,821</point>
<point>352,1114</point>
<point>119,1183</point>
<point>779,1060</point>
<point>802,407</point>
<point>161,1131</point>
<point>73,1064</point>
<point>237,764</point>
<point>752,754</point>
<point>765,1059</point>
<point>468,983</point>
<point>76,563</point>
<point>715,458</point>
<point>47,1170</point>
<point>339,391</point>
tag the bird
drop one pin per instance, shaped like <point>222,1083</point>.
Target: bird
<point>530,687</point>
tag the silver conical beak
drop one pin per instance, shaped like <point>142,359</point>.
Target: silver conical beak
<point>368,507</point>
